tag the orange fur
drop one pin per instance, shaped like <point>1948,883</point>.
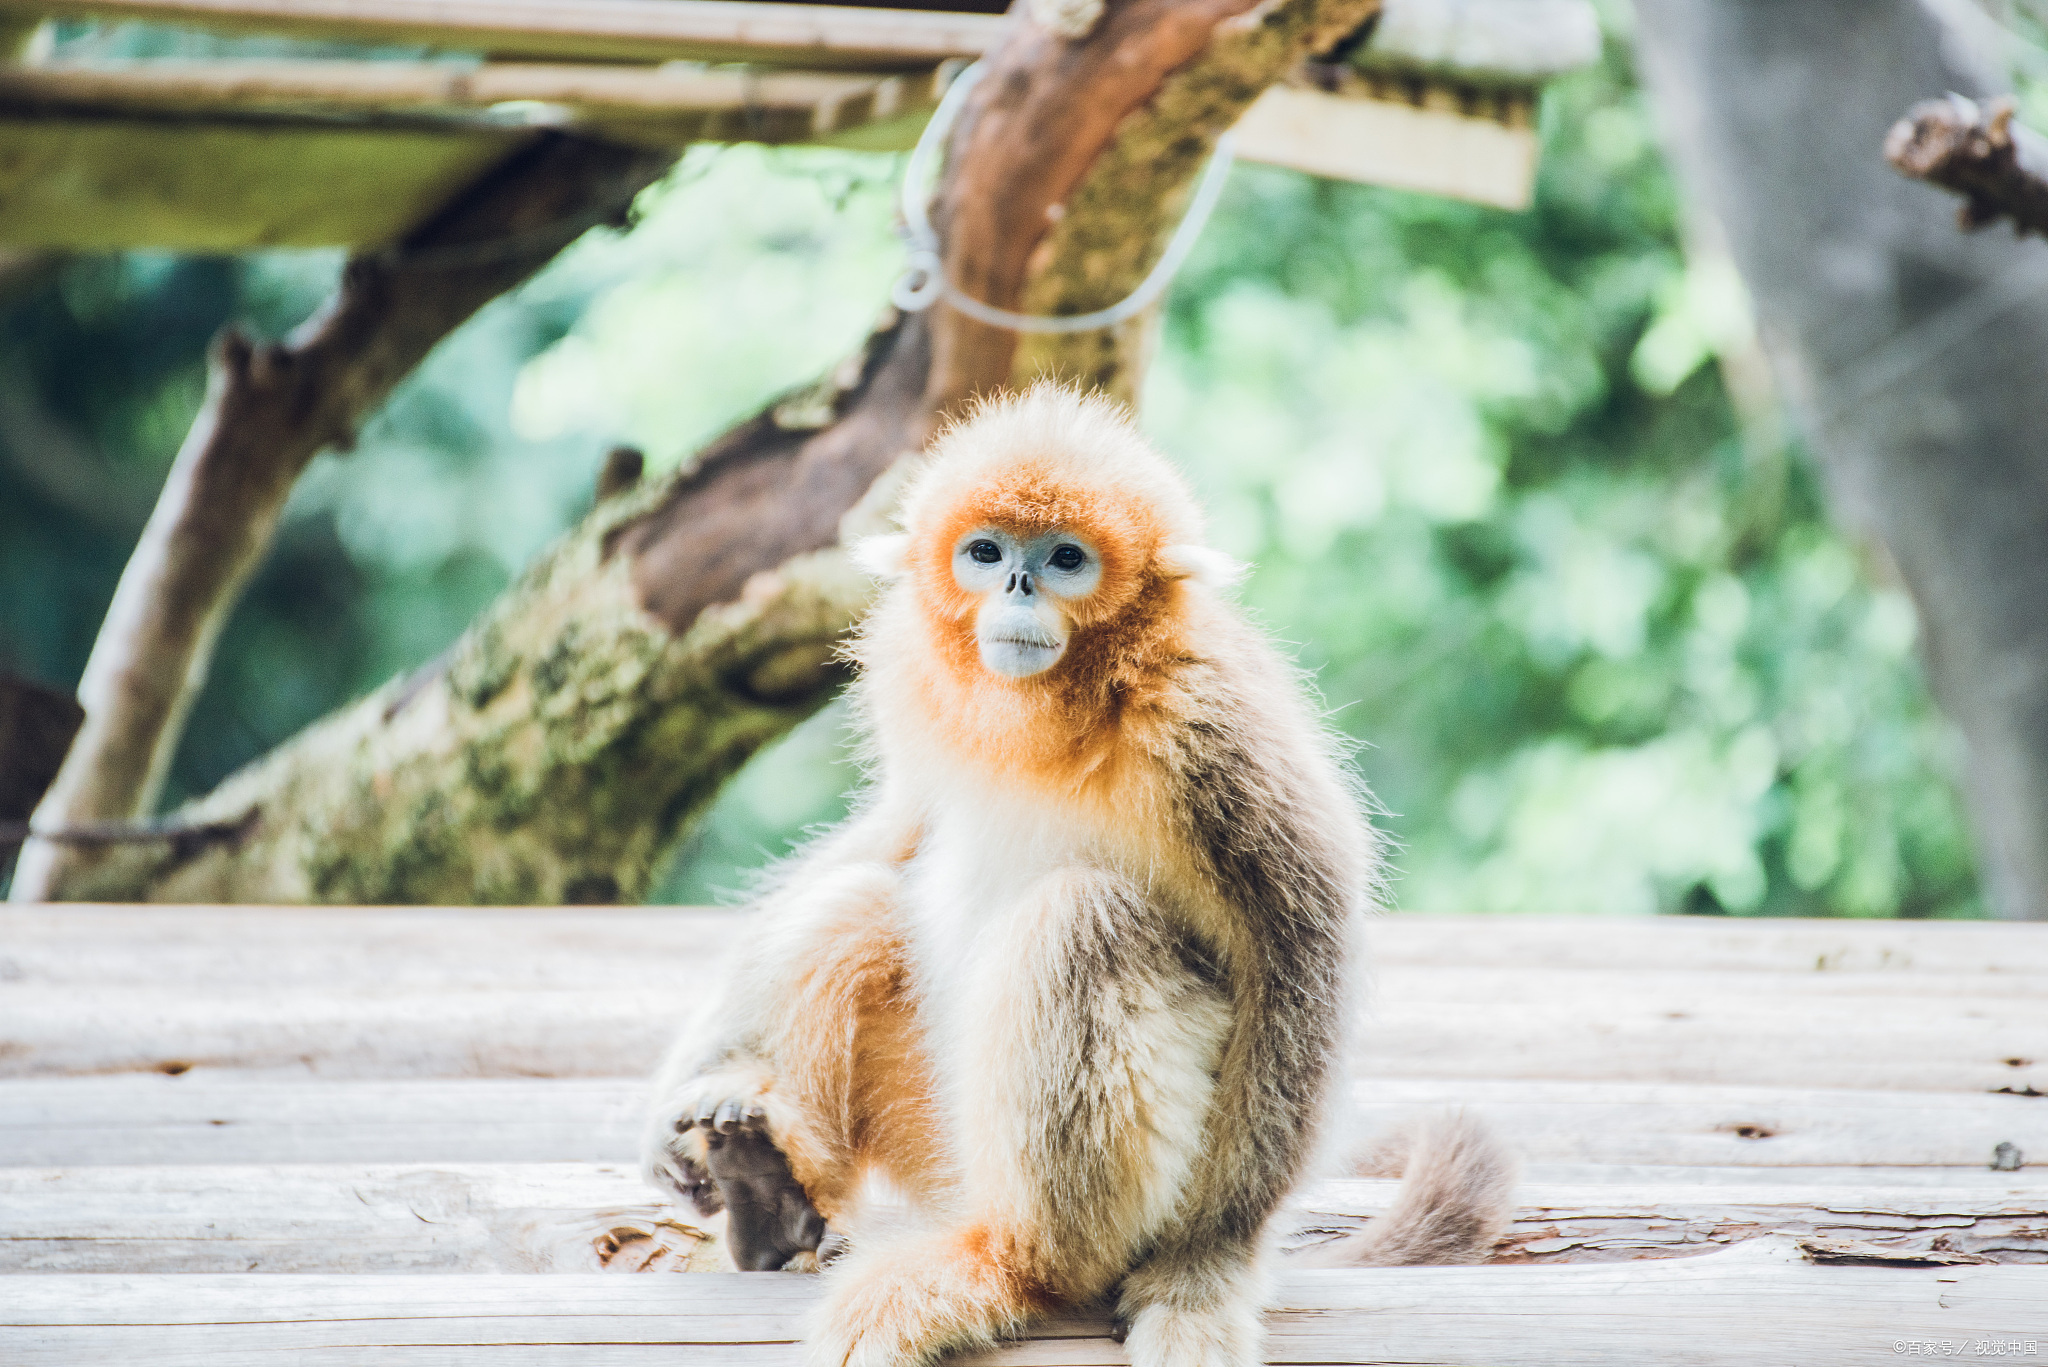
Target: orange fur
<point>963,1288</point>
<point>853,1064</point>
<point>1035,463</point>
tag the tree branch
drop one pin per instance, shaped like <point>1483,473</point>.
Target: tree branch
<point>2000,168</point>
<point>269,409</point>
<point>596,709</point>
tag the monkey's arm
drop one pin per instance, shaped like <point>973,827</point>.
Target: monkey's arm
<point>1286,852</point>
<point>741,1109</point>
<point>748,1013</point>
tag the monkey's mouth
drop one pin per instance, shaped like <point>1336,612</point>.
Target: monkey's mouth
<point>1019,654</point>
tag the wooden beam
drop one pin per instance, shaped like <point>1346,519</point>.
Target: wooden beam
<point>1757,1303</point>
<point>98,184</point>
<point>232,156</point>
<point>1388,142</point>
<point>205,1116</point>
<point>582,1217</point>
<point>666,105</point>
<point>809,36</point>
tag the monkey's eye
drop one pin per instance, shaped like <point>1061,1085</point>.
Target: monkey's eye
<point>985,552</point>
<point>1067,558</point>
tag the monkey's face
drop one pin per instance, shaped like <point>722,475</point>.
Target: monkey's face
<point>1025,586</point>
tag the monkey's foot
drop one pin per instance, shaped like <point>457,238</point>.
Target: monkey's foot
<point>1229,1335</point>
<point>900,1304</point>
<point>677,1154</point>
<point>769,1216</point>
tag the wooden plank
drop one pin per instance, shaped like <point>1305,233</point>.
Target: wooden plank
<point>580,1217</point>
<point>1382,142</point>
<point>667,105</point>
<point>1956,1007</point>
<point>206,1117</point>
<point>812,36</point>
<point>355,1217</point>
<point>1622,1221</point>
<point>85,942</point>
<point>193,1119</point>
<point>1757,1303</point>
<point>1732,1033</point>
<point>109,184</point>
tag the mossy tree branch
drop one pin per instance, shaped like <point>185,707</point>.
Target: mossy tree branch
<point>269,410</point>
<point>596,709</point>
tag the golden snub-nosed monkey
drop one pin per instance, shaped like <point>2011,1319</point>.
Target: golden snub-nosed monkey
<point>1073,978</point>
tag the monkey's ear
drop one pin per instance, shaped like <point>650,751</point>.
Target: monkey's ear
<point>1203,565</point>
<point>881,556</point>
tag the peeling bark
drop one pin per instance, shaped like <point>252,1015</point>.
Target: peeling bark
<point>596,709</point>
<point>269,410</point>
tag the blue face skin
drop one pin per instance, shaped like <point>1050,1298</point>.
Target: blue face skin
<point>1024,585</point>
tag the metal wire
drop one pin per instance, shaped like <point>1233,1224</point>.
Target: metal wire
<point>924,281</point>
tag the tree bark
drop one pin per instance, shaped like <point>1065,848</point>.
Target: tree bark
<point>269,410</point>
<point>594,711</point>
<point>1911,352</point>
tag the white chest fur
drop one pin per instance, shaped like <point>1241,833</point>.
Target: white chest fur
<point>990,896</point>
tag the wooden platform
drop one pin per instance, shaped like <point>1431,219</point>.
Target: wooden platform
<point>406,1136</point>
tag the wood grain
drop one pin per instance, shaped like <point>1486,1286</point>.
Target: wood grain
<point>585,1217</point>
<point>208,1116</point>
<point>1960,1008</point>
<point>1757,1303</point>
<point>453,944</point>
<point>1598,1030</point>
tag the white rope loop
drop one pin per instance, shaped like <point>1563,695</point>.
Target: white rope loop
<point>924,280</point>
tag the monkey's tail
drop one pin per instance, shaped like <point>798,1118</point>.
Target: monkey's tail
<point>1457,1192</point>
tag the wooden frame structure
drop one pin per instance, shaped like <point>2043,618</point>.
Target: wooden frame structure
<point>406,1136</point>
<point>233,153</point>
<point>99,156</point>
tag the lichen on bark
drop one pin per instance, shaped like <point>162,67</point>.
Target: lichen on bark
<point>554,758</point>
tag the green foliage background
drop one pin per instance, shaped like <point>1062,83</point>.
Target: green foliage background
<point>1602,648</point>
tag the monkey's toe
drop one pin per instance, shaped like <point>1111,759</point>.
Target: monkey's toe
<point>724,1116</point>
<point>685,1176</point>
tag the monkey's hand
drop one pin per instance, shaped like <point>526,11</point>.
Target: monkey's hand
<point>722,1154</point>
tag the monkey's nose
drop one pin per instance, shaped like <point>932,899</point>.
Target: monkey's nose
<point>1024,584</point>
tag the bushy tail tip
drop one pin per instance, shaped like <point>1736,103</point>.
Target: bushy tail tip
<point>1457,1192</point>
